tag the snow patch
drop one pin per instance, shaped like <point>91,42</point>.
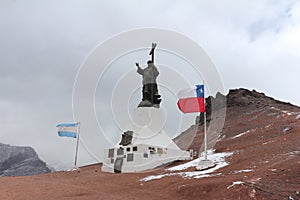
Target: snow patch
<point>204,175</point>
<point>221,138</point>
<point>243,170</point>
<point>235,183</point>
<point>287,129</point>
<point>268,126</point>
<point>278,116</point>
<point>217,158</point>
<point>286,112</point>
<point>241,134</point>
<point>149,178</point>
<point>268,142</point>
<point>298,116</point>
<point>192,163</point>
<point>197,174</point>
<point>214,157</point>
<point>294,153</point>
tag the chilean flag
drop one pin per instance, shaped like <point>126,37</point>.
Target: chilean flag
<point>192,100</point>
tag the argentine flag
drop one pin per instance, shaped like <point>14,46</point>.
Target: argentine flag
<point>67,129</point>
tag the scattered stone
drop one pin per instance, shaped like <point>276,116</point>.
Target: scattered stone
<point>287,128</point>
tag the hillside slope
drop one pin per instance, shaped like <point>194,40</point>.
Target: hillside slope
<point>264,135</point>
<point>261,138</point>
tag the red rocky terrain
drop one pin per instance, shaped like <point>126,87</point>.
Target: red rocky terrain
<point>262,135</point>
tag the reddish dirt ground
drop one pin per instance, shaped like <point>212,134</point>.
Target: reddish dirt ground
<point>270,148</point>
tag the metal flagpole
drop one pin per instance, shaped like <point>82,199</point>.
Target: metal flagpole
<point>77,143</point>
<point>205,164</point>
<point>205,137</point>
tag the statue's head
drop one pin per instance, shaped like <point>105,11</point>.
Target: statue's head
<point>149,62</point>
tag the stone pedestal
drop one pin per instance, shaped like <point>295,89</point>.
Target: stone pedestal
<point>148,116</point>
<point>148,126</point>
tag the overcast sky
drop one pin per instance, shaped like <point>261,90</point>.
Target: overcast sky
<point>254,44</point>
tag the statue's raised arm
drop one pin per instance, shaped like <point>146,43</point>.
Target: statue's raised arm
<point>139,69</point>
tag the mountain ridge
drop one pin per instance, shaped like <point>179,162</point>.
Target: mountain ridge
<point>238,101</point>
<point>20,161</point>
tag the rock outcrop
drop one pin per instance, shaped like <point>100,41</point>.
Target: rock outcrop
<point>238,103</point>
<point>20,161</point>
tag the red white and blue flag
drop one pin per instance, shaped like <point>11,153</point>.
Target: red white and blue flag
<point>192,100</point>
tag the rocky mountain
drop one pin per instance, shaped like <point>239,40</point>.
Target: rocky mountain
<point>20,161</point>
<point>243,108</point>
<point>264,135</point>
<point>256,152</point>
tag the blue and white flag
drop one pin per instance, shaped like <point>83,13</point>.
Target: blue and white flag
<point>67,129</point>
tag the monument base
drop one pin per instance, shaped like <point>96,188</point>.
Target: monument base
<point>147,103</point>
<point>145,147</point>
<point>141,157</point>
<point>205,164</point>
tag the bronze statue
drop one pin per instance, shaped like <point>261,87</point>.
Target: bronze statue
<point>151,98</point>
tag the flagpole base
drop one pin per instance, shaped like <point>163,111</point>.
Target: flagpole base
<point>75,168</point>
<point>205,164</point>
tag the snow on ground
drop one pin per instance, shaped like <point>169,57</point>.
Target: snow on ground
<point>235,183</point>
<point>241,134</point>
<point>251,130</point>
<point>285,111</point>
<point>294,153</point>
<point>287,129</point>
<point>221,138</point>
<point>243,170</point>
<point>149,178</point>
<point>268,126</point>
<point>268,142</point>
<point>217,158</point>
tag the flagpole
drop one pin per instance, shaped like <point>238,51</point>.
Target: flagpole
<point>204,164</point>
<point>204,117</point>
<point>205,138</point>
<point>77,143</point>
